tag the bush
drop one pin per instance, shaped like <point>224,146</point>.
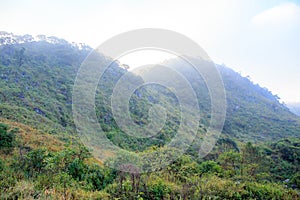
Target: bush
<point>213,187</point>
<point>210,167</point>
<point>266,191</point>
<point>77,169</point>
<point>295,181</point>
<point>7,178</point>
<point>2,165</point>
<point>22,190</point>
<point>161,189</point>
<point>7,138</point>
<point>96,177</point>
<point>34,162</point>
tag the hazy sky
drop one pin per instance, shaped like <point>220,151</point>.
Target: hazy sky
<point>259,38</point>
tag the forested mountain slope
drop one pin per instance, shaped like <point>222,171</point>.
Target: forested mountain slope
<point>41,157</point>
<point>37,76</point>
<point>253,112</point>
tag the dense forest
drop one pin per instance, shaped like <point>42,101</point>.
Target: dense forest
<point>257,155</point>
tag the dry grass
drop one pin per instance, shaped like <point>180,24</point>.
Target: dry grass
<point>33,138</point>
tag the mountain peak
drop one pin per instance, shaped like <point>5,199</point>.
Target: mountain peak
<point>7,38</point>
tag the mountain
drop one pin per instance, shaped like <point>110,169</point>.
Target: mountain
<point>253,112</point>
<point>36,79</point>
<point>256,110</point>
<point>11,39</point>
<point>294,107</point>
<point>37,76</point>
<point>41,157</point>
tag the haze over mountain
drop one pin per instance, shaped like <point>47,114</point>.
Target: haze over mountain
<point>257,155</point>
<point>294,107</point>
<point>37,76</point>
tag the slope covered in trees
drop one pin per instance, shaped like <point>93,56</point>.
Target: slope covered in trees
<point>37,77</point>
<point>256,157</point>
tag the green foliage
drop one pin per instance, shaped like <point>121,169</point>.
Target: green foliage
<point>77,169</point>
<point>64,169</point>
<point>210,167</point>
<point>7,138</point>
<point>8,178</point>
<point>2,165</point>
<point>285,157</point>
<point>36,81</point>
<point>34,162</point>
<point>65,173</point>
<point>230,161</point>
<point>212,187</point>
<point>99,177</point>
<point>159,189</point>
<point>295,181</point>
<point>266,191</point>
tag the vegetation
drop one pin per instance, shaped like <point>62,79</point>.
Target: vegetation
<point>36,81</point>
<point>69,174</point>
<point>41,157</point>
<point>266,171</point>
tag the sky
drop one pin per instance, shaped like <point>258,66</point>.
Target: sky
<point>258,38</point>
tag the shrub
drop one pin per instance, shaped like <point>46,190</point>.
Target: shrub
<point>7,138</point>
<point>161,189</point>
<point>210,167</point>
<point>7,178</point>
<point>34,162</point>
<point>77,169</point>
<point>295,181</point>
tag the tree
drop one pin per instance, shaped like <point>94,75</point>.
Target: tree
<point>7,138</point>
<point>35,162</point>
<point>210,167</point>
<point>19,57</point>
<point>251,161</point>
<point>230,161</point>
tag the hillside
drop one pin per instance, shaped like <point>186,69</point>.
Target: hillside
<point>41,156</point>
<point>253,112</point>
<point>37,76</point>
<point>37,165</point>
<point>256,111</point>
<point>36,80</point>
